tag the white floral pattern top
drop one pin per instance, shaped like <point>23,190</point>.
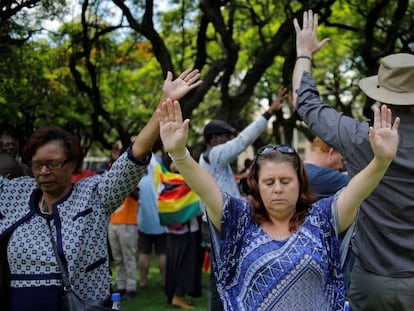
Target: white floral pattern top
<point>79,223</point>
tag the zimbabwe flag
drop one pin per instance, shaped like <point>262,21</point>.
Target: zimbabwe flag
<point>177,203</point>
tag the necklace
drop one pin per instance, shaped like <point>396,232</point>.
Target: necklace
<point>276,234</point>
<point>44,209</point>
<point>280,236</point>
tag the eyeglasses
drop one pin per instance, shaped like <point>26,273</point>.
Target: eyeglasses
<point>50,165</point>
<point>281,148</point>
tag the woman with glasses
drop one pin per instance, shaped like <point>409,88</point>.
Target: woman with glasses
<point>33,211</point>
<point>282,252</point>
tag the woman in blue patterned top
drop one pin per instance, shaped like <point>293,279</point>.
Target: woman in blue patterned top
<point>282,253</point>
<point>78,213</point>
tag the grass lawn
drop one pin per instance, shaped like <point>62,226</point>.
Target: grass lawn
<point>153,298</point>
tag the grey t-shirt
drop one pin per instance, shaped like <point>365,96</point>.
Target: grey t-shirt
<point>384,240</point>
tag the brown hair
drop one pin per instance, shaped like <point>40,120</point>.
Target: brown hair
<point>306,194</point>
<point>53,133</point>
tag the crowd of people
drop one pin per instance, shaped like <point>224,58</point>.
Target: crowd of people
<point>333,228</point>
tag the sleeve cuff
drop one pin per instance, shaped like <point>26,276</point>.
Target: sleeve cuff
<point>145,162</point>
<point>267,115</point>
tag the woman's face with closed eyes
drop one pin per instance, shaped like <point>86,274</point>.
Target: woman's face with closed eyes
<point>279,188</point>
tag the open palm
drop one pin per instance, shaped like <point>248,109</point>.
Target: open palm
<point>178,88</point>
<point>383,135</point>
<point>173,130</point>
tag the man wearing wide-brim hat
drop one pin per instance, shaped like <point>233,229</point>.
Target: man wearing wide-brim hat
<point>394,83</point>
<point>382,277</point>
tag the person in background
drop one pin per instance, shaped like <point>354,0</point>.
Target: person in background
<point>242,178</point>
<point>221,151</point>
<point>184,260</point>
<point>9,167</point>
<point>116,151</point>
<point>281,253</point>
<point>80,173</point>
<point>35,209</point>
<point>123,236</point>
<point>150,232</point>
<point>9,144</point>
<point>324,165</point>
<point>382,277</point>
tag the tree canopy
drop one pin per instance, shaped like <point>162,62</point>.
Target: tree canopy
<point>100,73</point>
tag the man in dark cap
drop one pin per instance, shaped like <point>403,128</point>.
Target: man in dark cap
<point>221,151</point>
<point>217,127</point>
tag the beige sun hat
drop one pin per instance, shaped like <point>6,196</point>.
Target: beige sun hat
<point>394,83</point>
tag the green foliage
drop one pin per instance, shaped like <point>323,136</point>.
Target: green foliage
<point>102,78</point>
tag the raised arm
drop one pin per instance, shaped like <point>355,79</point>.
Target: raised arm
<point>383,137</point>
<point>174,89</point>
<point>174,135</point>
<point>278,101</point>
<point>306,45</point>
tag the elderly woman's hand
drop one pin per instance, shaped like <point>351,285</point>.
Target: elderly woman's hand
<point>178,88</point>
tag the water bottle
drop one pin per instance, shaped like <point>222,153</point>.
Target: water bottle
<point>116,301</point>
<point>347,307</point>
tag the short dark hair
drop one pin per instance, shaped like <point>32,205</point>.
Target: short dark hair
<point>50,133</point>
<point>306,195</point>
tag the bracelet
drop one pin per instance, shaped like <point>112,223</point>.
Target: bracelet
<point>180,159</point>
<point>304,56</point>
<point>267,115</point>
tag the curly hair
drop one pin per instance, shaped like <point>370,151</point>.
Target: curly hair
<point>47,134</point>
<point>306,195</point>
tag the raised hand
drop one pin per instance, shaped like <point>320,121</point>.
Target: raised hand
<point>277,103</point>
<point>306,38</point>
<point>173,130</point>
<point>383,136</point>
<point>178,88</point>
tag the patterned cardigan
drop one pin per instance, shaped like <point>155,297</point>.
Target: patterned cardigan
<point>79,224</point>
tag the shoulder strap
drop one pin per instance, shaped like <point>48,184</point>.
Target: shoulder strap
<point>65,277</point>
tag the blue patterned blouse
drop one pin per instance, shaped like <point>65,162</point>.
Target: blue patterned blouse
<point>256,272</point>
